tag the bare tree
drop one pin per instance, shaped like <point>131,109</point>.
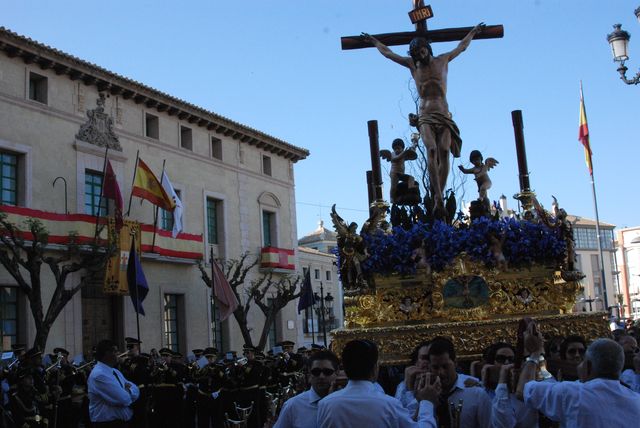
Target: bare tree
<point>23,259</point>
<point>280,292</point>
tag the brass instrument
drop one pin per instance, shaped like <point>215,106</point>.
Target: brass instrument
<point>56,364</point>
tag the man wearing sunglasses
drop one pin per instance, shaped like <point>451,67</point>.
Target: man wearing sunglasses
<point>301,410</point>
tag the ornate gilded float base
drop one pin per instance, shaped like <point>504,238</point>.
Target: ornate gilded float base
<point>463,292</point>
<point>469,337</point>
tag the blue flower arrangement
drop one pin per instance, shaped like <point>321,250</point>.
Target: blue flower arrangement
<point>523,244</point>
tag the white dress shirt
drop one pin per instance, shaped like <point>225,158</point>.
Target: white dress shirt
<point>108,398</point>
<point>476,403</point>
<point>360,404</point>
<point>596,403</point>
<point>300,411</point>
<point>405,396</point>
<point>509,412</point>
<point>632,379</point>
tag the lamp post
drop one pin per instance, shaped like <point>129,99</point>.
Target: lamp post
<point>619,42</point>
<point>325,309</point>
<point>328,303</point>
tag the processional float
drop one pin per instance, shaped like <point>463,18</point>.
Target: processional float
<point>420,267</point>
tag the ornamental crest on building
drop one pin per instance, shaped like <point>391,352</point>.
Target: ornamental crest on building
<point>98,129</point>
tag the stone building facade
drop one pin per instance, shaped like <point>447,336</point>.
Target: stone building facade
<point>236,184</point>
<point>315,253</point>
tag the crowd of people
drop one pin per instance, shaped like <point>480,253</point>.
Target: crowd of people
<point>156,389</point>
<point>537,382</point>
<point>564,382</point>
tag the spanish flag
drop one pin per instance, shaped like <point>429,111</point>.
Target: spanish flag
<point>147,186</point>
<point>583,133</point>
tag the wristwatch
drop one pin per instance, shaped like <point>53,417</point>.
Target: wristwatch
<point>536,361</point>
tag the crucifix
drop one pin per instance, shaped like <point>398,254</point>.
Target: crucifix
<point>419,19</point>
<point>438,131</point>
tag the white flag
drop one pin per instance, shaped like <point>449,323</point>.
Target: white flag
<point>177,212</point>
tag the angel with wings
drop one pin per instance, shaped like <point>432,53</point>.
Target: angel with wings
<point>397,158</point>
<point>481,172</point>
<point>352,246</point>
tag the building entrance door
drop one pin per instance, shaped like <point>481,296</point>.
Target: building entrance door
<point>101,317</point>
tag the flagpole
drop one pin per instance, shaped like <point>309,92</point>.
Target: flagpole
<point>213,302</point>
<point>313,309</point>
<point>135,288</point>
<point>104,172</point>
<point>135,169</point>
<point>155,215</point>
<point>595,206</point>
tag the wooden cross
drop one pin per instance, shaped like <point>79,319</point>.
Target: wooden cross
<point>433,36</point>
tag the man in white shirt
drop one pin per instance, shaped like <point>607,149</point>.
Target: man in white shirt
<point>476,403</point>
<point>301,411</point>
<point>110,394</point>
<point>359,404</point>
<point>599,400</point>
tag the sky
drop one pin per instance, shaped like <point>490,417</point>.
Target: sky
<point>277,65</point>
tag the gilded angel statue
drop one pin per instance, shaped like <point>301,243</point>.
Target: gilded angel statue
<point>352,246</point>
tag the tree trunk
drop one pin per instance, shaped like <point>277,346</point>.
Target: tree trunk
<point>241,319</point>
<point>42,333</point>
<point>270,317</point>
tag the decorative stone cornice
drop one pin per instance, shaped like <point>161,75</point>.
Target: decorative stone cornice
<point>48,58</point>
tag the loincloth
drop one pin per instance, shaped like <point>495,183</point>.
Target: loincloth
<point>437,121</point>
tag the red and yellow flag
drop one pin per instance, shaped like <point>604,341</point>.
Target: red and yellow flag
<point>583,133</point>
<point>147,186</point>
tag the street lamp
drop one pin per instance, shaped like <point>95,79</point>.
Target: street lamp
<point>619,42</point>
<point>325,309</point>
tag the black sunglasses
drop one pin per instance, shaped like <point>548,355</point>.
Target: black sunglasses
<point>327,372</point>
<point>503,359</point>
<point>575,351</point>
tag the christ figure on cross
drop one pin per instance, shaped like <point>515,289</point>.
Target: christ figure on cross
<point>438,131</point>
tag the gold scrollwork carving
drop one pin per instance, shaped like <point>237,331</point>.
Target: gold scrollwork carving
<point>469,337</point>
<point>465,291</point>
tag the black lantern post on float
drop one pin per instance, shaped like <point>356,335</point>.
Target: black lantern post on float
<point>619,42</point>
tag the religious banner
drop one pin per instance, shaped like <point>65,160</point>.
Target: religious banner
<point>115,279</point>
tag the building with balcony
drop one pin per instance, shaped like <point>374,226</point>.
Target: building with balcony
<point>628,258</point>
<point>588,262</point>
<point>57,115</point>
<point>315,256</point>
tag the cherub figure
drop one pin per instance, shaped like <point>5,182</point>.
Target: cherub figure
<point>524,296</point>
<point>420,256</point>
<point>397,158</point>
<point>407,306</point>
<point>481,172</point>
<point>496,242</point>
